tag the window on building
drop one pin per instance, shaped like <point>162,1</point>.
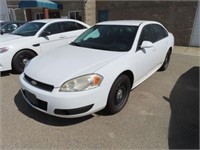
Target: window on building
<point>54,14</point>
<point>39,16</point>
<point>75,15</point>
<point>102,15</point>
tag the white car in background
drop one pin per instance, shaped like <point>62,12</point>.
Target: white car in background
<point>34,38</point>
<point>98,69</point>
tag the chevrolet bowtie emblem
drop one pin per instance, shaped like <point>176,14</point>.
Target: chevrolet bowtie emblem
<point>33,82</point>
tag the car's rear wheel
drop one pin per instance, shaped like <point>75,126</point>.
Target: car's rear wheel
<point>118,95</point>
<point>166,61</point>
<point>20,59</point>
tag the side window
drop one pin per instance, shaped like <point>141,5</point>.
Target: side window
<point>146,35</point>
<point>159,32</point>
<point>54,28</point>
<point>165,32</point>
<point>75,15</point>
<point>71,26</point>
<point>80,26</point>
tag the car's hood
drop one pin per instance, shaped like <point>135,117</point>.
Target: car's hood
<point>10,38</point>
<point>66,63</point>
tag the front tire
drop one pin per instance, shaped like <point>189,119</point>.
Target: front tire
<point>118,95</point>
<point>20,59</point>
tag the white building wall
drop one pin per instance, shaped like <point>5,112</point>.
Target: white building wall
<point>4,15</point>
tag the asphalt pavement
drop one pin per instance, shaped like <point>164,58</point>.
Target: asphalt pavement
<point>162,113</point>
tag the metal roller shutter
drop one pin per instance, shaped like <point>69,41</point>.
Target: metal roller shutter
<point>195,40</point>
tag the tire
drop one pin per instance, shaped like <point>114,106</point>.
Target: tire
<point>118,95</point>
<point>166,62</point>
<point>20,59</point>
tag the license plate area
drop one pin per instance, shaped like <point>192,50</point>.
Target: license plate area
<point>34,101</point>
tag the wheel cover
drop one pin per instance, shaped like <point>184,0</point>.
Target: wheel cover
<point>120,95</point>
<point>23,59</point>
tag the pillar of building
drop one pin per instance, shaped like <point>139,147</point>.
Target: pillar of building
<point>90,11</point>
<point>46,13</point>
<point>29,15</point>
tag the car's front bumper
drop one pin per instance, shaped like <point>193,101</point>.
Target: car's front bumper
<point>64,104</point>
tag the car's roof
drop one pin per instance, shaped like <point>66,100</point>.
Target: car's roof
<point>51,20</point>
<point>126,22</point>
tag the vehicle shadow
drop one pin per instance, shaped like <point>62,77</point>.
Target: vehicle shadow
<point>7,73</point>
<point>184,103</point>
<point>27,110</point>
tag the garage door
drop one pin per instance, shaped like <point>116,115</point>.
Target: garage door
<point>195,41</point>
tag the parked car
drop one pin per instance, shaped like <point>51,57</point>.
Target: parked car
<point>10,26</point>
<point>98,69</point>
<point>34,38</point>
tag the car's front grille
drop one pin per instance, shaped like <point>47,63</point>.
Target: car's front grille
<point>34,101</point>
<point>38,84</point>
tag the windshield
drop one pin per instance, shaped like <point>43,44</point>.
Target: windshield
<point>108,37</point>
<point>29,29</point>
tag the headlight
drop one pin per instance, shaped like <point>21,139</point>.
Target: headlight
<point>82,83</point>
<point>4,49</point>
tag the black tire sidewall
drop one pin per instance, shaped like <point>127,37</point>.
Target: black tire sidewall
<point>166,62</point>
<point>16,60</point>
<point>167,59</point>
<point>111,108</point>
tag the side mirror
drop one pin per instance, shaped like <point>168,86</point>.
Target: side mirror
<point>45,34</point>
<point>146,44</point>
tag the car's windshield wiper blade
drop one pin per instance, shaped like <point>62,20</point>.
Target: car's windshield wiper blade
<point>16,34</point>
<point>74,43</point>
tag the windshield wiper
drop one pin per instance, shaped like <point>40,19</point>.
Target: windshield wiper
<point>75,44</point>
<point>16,34</point>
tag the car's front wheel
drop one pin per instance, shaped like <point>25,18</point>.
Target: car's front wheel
<point>118,95</point>
<point>20,59</point>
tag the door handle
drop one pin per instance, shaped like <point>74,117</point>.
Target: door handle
<point>35,45</point>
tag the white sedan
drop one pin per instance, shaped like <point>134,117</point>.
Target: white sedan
<point>34,38</point>
<point>97,70</point>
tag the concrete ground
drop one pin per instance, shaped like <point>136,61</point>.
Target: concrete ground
<point>162,113</point>
<point>194,51</point>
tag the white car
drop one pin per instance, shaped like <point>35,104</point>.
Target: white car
<point>98,69</point>
<point>34,38</point>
